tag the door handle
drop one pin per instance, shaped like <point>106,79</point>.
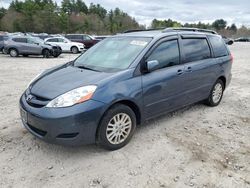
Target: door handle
<point>180,72</point>
<point>189,69</point>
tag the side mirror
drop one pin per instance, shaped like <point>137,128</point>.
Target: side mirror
<point>152,65</point>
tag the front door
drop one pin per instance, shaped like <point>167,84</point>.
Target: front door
<point>33,47</point>
<point>163,88</point>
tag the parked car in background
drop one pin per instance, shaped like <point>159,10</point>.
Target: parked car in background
<point>242,39</point>
<point>228,41</point>
<point>65,44</point>
<point>101,37</point>
<point>26,45</point>
<point>3,38</point>
<point>87,40</point>
<point>124,81</point>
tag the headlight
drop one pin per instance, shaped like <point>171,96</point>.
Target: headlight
<point>72,97</point>
<point>34,79</point>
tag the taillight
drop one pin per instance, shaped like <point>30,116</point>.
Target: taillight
<point>231,57</point>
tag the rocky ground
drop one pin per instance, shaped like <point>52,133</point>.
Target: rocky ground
<point>197,146</point>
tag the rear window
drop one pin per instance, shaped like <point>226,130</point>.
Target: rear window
<point>22,40</point>
<point>218,45</point>
<point>196,49</point>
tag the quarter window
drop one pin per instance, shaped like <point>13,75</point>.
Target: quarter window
<point>196,49</point>
<point>218,46</point>
<point>167,54</point>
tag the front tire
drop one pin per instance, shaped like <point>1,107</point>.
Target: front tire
<point>74,50</point>
<point>46,53</point>
<point>116,127</point>
<point>216,94</point>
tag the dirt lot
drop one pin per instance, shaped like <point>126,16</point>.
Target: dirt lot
<point>197,146</point>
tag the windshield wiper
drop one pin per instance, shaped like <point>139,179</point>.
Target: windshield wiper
<point>87,68</point>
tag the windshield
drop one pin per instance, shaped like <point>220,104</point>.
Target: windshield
<point>112,54</point>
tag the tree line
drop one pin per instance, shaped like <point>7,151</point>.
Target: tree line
<point>219,25</point>
<point>73,16</point>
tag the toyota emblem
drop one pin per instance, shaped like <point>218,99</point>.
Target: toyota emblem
<point>29,97</point>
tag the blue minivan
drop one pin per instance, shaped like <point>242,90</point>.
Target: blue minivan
<point>121,82</point>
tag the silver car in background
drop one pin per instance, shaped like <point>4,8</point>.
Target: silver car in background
<point>26,45</point>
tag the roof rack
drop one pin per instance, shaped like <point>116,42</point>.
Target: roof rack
<point>189,29</point>
<point>138,30</point>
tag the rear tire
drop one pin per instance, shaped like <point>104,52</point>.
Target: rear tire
<point>13,52</point>
<point>46,53</point>
<point>116,127</point>
<point>216,94</point>
<point>74,50</point>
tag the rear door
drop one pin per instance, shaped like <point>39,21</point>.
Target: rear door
<point>199,67</point>
<point>21,44</point>
<point>162,90</point>
<point>64,44</point>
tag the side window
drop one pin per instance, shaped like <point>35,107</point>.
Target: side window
<point>86,37</point>
<point>30,41</point>
<point>21,40</point>
<point>196,49</point>
<point>60,40</point>
<point>167,54</point>
<point>69,37</point>
<point>52,40</point>
<point>218,45</point>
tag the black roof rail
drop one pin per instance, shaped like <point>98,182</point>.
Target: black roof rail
<point>189,29</point>
<point>138,30</point>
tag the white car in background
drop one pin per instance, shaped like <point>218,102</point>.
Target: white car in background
<point>65,44</point>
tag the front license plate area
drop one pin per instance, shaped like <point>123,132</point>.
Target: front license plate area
<point>24,115</point>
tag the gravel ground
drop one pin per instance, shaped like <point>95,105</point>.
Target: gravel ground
<point>197,146</point>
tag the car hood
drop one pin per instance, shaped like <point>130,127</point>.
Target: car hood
<point>63,79</point>
<point>47,46</point>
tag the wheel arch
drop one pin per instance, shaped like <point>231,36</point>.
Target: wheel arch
<point>45,49</point>
<point>73,46</point>
<point>128,103</point>
<point>223,79</point>
<point>12,48</point>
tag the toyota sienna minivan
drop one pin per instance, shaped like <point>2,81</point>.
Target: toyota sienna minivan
<point>121,82</point>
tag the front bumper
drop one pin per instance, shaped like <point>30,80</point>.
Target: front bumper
<point>74,125</point>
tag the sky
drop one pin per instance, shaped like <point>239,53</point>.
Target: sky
<point>144,11</point>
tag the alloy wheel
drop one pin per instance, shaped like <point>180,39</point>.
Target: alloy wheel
<point>119,128</point>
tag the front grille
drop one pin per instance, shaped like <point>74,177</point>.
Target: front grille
<point>37,131</point>
<point>36,101</point>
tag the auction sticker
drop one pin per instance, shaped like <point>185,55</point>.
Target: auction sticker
<point>138,42</point>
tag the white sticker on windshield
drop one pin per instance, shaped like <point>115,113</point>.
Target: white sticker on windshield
<point>139,43</point>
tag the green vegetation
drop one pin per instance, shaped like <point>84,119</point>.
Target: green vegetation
<point>73,16</point>
<point>219,25</point>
